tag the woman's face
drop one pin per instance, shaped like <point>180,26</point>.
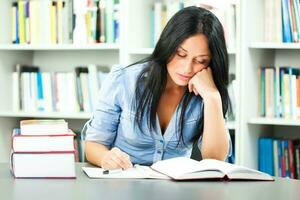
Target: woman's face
<point>192,56</point>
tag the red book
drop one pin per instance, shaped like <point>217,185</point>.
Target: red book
<point>291,160</point>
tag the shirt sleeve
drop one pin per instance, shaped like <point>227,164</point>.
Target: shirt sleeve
<point>102,127</point>
<point>230,145</point>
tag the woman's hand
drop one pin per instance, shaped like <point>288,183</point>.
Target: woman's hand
<point>115,159</point>
<point>202,83</point>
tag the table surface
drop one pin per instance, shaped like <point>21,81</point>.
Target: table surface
<point>142,189</point>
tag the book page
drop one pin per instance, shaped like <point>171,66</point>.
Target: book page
<point>177,167</point>
<point>136,172</point>
<point>230,169</point>
<point>186,168</point>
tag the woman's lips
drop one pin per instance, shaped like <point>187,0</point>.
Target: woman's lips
<point>184,77</point>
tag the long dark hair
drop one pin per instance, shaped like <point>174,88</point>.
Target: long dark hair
<point>151,82</point>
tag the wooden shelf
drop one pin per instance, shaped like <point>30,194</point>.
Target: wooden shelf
<point>266,45</point>
<point>275,121</point>
<point>59,47</point>
<point>78,115</point>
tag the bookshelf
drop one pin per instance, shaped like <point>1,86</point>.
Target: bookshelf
<point>135,42</point>
<point>50,58</point>
<point>255,52</point>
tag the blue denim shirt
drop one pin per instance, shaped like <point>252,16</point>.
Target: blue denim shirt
<point>113,125</point>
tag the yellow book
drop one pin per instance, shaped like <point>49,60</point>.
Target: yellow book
<point>53,23</point>
<point>21,22</point>
<point>89,27</point>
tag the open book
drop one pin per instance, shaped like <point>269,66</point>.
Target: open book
<point>182,168</point>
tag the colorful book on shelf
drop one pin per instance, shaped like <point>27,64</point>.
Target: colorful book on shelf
<point>279,157</point>
<point>44,127</point>
<point>182,168</point>
<point>286,22</point>
<point>278,92</point>
<point>78,72</point>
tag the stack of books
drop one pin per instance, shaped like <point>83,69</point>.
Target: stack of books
<point>43,149</point>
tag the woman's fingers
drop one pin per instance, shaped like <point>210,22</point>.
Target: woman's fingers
<point>115,159</point>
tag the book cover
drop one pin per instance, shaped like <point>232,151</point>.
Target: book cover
<point>42,143</point>
<point>44,127</point>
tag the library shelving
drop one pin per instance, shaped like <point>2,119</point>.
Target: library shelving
<point>256,52</point>
<point>135,42</point>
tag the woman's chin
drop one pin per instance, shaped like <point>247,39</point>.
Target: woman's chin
<point>181,83</point>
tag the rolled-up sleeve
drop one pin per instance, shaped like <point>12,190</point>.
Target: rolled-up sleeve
<point>102,127</point>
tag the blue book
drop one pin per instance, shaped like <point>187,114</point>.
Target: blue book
<point>286,25</point>
<point>17,25</point>
<point>40,94</point>
<point>261,154</point>
<point>286,159</point>
<point>270,157</point>
<point>279,154</point>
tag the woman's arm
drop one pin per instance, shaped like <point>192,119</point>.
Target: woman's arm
<point>94,152</point>
<point>215,139</point>
<point>100,155</point>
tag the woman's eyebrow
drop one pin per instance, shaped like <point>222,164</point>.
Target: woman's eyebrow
<point>182,48</point>
<point>203,55</point>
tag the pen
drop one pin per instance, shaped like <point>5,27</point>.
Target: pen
<point>112,171</point>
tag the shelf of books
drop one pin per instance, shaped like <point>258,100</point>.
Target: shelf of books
<point>46,48</point>
<point>64,22</point>
<point>35,91</point>
<point>271,87</point>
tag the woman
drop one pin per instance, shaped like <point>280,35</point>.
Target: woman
<point>155,109</point>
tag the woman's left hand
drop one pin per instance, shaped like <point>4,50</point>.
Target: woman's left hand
<point>202,83</point>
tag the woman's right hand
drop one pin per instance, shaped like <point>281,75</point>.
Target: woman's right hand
<point>115,159</point>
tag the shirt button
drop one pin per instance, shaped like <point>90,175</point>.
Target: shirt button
<point>158,151</point>
<point>161,141</point>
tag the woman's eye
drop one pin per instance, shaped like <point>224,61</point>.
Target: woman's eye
<point>202,62</point>
<point>181,54</point>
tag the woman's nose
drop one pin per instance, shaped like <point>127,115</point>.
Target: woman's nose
<point>188,66</point>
